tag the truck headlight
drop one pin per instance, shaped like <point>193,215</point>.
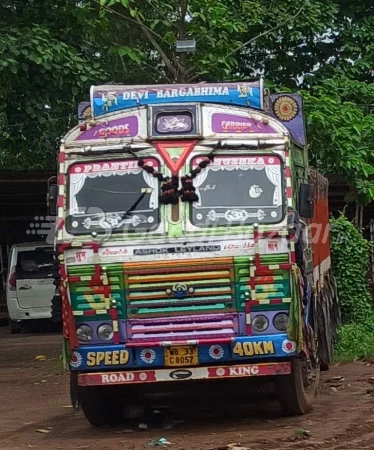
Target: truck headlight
<point>84,333</point>
<point>105,332</point>
<point>260,323</point>
<point>280,321</point>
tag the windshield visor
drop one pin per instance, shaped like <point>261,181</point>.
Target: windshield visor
<point>239,190</point>
<point>100,193</point>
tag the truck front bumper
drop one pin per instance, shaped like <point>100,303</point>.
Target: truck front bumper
<point>183,374</point>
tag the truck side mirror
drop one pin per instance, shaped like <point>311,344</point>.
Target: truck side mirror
<point>52,199</point>
<point>306,201</point>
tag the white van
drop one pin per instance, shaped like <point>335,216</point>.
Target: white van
<point>29,287</point>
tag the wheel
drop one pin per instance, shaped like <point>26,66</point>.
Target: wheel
<point>100,405</point>
<point>56,308</point>
<point>15,327</point>
<point>297,391</point>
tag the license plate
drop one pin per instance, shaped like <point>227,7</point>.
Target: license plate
<point>181,356</point>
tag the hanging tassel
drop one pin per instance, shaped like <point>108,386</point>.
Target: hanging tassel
<point>169,191</point>
<point>188,191</point>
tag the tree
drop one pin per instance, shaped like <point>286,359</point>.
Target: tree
<point>341,132</point>
<point>46,67</point>
<point>228,34</point>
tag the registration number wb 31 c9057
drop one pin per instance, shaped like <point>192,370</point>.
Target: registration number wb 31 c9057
<point>181,356</point>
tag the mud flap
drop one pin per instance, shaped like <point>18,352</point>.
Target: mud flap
<point>74,395</point>
<point>328,320</point>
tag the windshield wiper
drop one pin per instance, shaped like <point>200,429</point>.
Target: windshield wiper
<point>129,211</point>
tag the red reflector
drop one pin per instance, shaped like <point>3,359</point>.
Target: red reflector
<point>12,279</point>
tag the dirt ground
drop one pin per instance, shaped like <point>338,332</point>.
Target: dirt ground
<point>34,396</point>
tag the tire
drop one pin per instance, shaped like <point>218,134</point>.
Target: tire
<point>56,309</point>
<point>296,394</point>
<point>15,327</point>
<point>100,406</point>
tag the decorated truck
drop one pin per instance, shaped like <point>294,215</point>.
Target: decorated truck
<point>192,243</point>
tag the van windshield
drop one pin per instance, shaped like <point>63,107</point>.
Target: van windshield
<point>37,263</point>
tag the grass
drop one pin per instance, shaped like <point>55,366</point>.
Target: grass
<point>356,341</point>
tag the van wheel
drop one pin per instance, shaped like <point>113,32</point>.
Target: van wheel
<point>100,405</point>
<point>297,391</point>
<point>15,327</point>
<point>56,308</point>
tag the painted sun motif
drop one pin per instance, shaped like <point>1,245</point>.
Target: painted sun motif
<point>76,360</point>
<point>288,346</point>
<point>148,355</point>
<point>285,108</point>
<point>216,351</point>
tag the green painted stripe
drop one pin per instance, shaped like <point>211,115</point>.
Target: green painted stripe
<point>179,301</point>
<point>221,306</point>
<point>274,259</point>
<point>276,307</point>
<point>168,283</point>
<point>103,317</point>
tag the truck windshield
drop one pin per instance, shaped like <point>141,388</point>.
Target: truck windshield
<point>238,190</point>
<point>101,192</point>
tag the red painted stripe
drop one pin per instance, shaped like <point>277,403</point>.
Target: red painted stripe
<point>74,279</point>
<point>61,179</point>
<point>63,247</point>
<point>293,258</point>
<point>60,226</point>
<point>69,331</point>
<point>289,192</point>
<point>61,157</point>
<point>106,291</point>
<point>90,312</point>
<point>288,172</point>
<point>98,272</point>
<point>276,301</point>
<point>264,272</point>
<point>285,266</point>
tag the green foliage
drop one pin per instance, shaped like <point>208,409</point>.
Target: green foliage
<point>234,38</point>
<point>51,51</point>
<point>350,257</point>
<point>355,341</point>
<point>43,75</point>
<point>341,132</point>
<point>350,254</point>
